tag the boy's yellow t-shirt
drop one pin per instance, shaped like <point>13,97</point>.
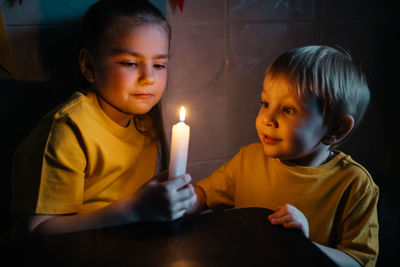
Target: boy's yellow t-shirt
<point>339,198</point>
<point>78,160</point>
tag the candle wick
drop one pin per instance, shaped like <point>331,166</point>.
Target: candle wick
<point>182,114</point>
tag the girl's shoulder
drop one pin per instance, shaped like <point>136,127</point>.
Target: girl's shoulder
<point>76,104</point>
<point>79,108</point>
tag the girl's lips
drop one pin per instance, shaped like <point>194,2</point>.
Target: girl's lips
<point>270,140</point>
<point>143,96</point>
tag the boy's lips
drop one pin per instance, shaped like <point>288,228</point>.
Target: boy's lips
<point>270,140</point>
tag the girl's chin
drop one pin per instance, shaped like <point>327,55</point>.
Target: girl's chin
<point>141,110</point>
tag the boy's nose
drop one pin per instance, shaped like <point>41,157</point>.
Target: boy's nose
<point>146,75</point>
<point>269,119</point>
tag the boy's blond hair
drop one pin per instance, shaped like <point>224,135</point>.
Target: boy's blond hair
<point>329,74</point>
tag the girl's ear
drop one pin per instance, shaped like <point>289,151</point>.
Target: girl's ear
<point>339,131</point>
<point>86,64</point>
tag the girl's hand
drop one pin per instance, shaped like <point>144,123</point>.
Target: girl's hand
<point>290,217</point>
<point>161,199</point>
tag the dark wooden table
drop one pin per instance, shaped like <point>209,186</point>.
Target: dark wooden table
<point>237,237</point>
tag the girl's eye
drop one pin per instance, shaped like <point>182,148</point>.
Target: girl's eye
<point>129,64</point>
<point>160,66</point>
<point>264,104</point>
<point>288,110</point>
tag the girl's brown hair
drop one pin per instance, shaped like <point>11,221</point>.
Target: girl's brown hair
<point>99,25</point>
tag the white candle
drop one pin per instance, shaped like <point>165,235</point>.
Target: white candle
<point>179,147</point>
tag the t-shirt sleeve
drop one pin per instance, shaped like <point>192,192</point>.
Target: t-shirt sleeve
<point>220,186</point>
<point>360,225</point>
<point>49,170</point>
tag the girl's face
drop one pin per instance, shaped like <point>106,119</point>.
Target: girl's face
<point>130,71</point>
<point>290,128</point>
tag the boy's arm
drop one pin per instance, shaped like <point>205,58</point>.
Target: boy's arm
<point>339,257</point>
<point>290,217</point>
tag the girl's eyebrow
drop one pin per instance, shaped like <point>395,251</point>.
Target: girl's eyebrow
<point>117,51</point>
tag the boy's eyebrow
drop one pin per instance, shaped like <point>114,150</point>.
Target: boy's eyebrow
<point>116,51</point>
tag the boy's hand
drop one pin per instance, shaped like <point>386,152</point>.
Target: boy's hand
<point>161,199</point>
<point>290,217</point>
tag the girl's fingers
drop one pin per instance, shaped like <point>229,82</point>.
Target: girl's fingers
<point>183,194</point>
<point>179,208</point>
<point>161,177</point>
<point>177,215</point>
<point>177,183</point>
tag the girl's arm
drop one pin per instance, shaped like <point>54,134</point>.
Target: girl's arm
<point>157,200</point>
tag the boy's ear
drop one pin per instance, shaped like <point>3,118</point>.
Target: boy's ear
<point>339,131</point>
<point>86,65</point>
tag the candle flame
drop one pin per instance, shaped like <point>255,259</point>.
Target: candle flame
<point>182,114</point>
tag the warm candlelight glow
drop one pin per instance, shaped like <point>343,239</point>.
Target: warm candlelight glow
<point>179,146</point>
<point>182,114</point>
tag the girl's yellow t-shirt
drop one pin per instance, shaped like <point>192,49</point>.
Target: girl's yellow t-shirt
<point>78,160</point>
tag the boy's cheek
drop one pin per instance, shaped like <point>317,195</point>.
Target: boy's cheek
<point>257,122</point>
<point>259,127</point>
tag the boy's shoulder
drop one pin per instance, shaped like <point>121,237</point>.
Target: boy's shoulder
<point>250,153</point>
<point>252,148</point>
<point>361,178</point>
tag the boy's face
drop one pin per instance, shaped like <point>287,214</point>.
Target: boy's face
<point>131,70</point>
<point>290,128</point>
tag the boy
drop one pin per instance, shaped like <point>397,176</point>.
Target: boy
<point>312,98</point>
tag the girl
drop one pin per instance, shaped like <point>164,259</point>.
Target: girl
<point>89,163</point>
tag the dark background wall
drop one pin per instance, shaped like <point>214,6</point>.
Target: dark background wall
<point>220,50</point>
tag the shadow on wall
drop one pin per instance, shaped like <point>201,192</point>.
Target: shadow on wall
<point>389,217</point>
<point>58,51</point>
<point>24,102</point>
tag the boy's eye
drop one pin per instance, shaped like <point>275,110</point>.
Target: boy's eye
<point>288,110</point>
<point>264,104</point>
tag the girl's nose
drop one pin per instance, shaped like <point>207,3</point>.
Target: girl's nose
<point>146,75</point>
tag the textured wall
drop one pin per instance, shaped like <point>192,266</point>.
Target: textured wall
<point>220,50</point>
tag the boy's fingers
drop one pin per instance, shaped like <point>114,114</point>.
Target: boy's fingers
<point>293,225</point>
<point>281,219</point>
<point>279,212</point>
